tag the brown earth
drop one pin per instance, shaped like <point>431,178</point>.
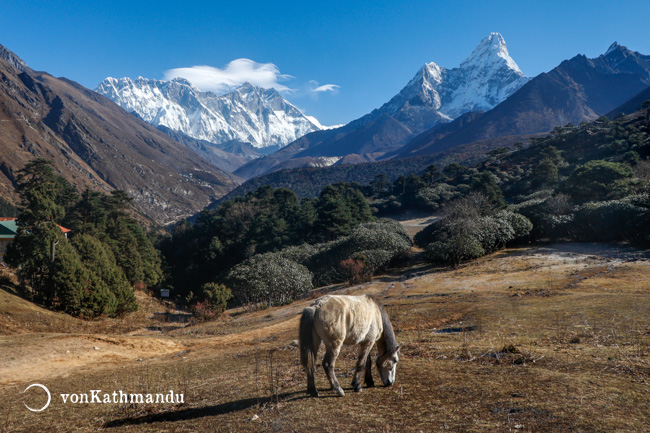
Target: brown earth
<point>553,338</point>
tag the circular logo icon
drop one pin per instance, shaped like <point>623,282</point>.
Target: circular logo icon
<point>49,397</point>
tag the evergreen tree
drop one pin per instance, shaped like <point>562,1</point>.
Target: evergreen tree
<point>81,291</point>
<point>99,259</point>
<point>45,197</point>
<point>486,183</point>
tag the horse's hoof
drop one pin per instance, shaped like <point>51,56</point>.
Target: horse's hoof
<point>356,387</point>
<point>370,384</point>
<point>313,392</point>
<point>340,392</point>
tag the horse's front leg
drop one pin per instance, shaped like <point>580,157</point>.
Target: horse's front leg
<point>332,352</point>
<point>364,354</point>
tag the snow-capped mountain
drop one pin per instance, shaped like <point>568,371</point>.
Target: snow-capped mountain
<point>249,114</point>
<point>435,95</point>
<point>483,80</point>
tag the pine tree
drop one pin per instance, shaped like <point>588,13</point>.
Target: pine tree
<point>45,197</point>
<point>98,258</point>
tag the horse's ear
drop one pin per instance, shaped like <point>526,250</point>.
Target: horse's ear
<point>398,348</point>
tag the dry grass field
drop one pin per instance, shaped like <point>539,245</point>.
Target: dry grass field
<point>541,339</point>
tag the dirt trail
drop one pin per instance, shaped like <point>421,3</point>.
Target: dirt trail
<point>26,357</point>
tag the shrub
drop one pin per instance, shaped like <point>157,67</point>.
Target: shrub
<point>615,220</point>
<point>269,278</point>
<point>377,240</point>
<point>432,198</point>
<point>598,180</point>
<point>300,254</point>
<point>551,218</point>
<point>204,311</point>
<point>454,240</point>
<point>455,249</point>
<point>217,295</point>
<point>375,260</point>
<point>354,270</point>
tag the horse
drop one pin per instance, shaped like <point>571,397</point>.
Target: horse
<point>351,320</point>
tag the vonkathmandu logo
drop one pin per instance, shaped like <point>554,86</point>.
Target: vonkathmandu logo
<point>49,397</point>
<point>96,396</point>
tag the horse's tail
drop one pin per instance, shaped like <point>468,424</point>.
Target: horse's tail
<point>306,337</point>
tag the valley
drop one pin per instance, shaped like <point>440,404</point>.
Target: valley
<point>163,235</point>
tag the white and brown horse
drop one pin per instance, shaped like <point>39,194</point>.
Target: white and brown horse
<point>337,320</point>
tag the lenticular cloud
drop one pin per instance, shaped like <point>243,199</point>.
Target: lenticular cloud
<point>236,73</point>
<point>326,88</point>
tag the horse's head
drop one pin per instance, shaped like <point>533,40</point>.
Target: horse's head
<point>387,366</point>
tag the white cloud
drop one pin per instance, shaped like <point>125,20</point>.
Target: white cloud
<point>236,73</point>
<point>315,89</point>
<point>327,88</point>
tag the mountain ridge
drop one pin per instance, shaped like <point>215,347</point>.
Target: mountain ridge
<point>248,114</point>
<point>578,89</point>
<point>95,144</point>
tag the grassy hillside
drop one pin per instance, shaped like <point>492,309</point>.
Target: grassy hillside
<point>535,339</point>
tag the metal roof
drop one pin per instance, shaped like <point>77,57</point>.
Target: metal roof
<point>8,228</point>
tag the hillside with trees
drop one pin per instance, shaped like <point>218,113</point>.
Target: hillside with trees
<point>580,183</point>
<point>93,270</point>
<point>269,247</point>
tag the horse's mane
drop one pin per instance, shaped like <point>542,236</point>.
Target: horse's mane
<point>388,335</point>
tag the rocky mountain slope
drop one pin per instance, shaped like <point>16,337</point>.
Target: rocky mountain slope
<point>435,95</point>
<point>95,144</point>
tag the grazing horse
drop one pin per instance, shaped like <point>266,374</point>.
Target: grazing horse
<point>337,320</point>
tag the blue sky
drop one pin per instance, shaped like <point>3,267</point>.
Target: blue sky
<point>369,49</point>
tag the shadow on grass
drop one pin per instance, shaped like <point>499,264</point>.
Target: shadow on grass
<point>201,412</point>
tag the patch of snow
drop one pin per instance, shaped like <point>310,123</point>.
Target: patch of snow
<point>324,161</point>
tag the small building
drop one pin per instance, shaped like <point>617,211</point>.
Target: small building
<point>9,230</point>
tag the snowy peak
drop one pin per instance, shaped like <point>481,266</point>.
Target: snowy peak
<point>492,51</point>
<point>248,114</point>
<point>436,94</point>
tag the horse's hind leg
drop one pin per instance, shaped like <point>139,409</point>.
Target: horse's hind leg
<point>364,354</point>
<point>311,382</point>
<point>332,352</point>
<point>368,379</point>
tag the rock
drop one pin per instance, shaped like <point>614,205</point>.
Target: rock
<point>519,426</point>
<point>255,418</point>
<point>95,347</point>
